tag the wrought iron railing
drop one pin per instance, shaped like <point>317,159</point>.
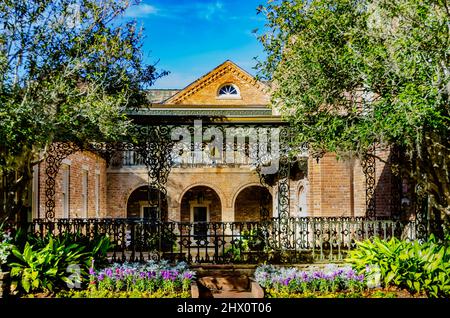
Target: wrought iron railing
<point>131,158</point>
<point>275,240</point>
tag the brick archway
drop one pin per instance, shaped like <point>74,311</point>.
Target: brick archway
<point>222,197</point>
<point>199,197</point>
<point>242,187</point>
<point>253,203</point>
<point>142,204</point>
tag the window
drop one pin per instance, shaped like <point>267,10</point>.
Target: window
<point>65,190</point>
<point>97,194</point>
<point>84,193</point>
<point>228,91</point>
<point>35,190</point>
<point>302,201</point>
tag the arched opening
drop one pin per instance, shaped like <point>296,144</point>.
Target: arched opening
<point>254,203</point>
<point>201,204</point>
<point>143,203</point>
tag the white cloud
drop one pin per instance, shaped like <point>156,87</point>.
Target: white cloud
<point>208,11</point>
<point>140,11</point>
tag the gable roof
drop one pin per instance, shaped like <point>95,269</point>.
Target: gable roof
<point>217,72</point>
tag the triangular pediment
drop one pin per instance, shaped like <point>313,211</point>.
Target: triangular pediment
<point>205,90</point>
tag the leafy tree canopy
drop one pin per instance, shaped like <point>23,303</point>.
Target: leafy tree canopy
<point>349,74</point>
<point>68,69</point>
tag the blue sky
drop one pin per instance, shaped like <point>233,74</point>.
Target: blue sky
<point>192,37</point>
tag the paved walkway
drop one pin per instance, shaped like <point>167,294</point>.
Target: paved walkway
<point>228,287</point>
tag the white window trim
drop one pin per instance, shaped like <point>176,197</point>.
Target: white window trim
<point>194,204</point>
<point>85,191</point>
<point>35,193</point>
<point>142,205</point>
<point>97,193</point>
<point>237,96</point>
<point>66,191</point>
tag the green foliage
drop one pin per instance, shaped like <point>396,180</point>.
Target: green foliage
<point>44,269</point>
<point>122,294</point>
<point>68,71</point>
<point>274,293</point>
<point>141,279</point>
<point>96,247</point>
<point>411,265</point>
<point>5,245</point>
<point>251,241</point>
<point>54,262</point>
<point>351,73</point>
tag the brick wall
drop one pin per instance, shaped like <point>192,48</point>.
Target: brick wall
<point>226,182</point>
<point>334,188</point>
<point>338,187</point>
<point>384,184</point>
<point>76,164</point>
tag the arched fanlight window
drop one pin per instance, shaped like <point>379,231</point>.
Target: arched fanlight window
<point>228,91</point>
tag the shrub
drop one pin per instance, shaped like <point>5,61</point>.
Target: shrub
<point>417,267</point>
<point>251,240</point>
<point>97,247</point>
<point>46,264</point>
<point>5,247</point>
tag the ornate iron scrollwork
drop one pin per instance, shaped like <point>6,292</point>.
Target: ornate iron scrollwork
<point>57,152</point>
<point>155,146</point>
<point>368,163</point>
<point>396,192</point>
<point>421,214</point>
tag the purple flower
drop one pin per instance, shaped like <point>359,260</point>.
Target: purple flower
<point>109,272</point>
<point>141,274</point>
<point>304,277</point>
<point>350,274</point>
<point>187,275</point>
<point>360,278</point>
<point>91,271</point>
<point>318,275</point>
<point>101,277</point>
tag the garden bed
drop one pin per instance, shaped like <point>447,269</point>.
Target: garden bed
<point>132,280</point>
<point>331,282</point>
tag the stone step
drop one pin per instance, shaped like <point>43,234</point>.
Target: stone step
<point>228,286</point>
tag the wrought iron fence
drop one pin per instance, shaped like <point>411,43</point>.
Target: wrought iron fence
<point>277,240</point>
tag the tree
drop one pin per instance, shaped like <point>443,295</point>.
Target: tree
<point>349,74</point>
<point>68,70</point>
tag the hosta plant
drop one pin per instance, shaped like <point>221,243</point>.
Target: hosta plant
<point>418,267</point>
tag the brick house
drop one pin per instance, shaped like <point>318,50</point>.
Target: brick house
<point>87,186</point>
